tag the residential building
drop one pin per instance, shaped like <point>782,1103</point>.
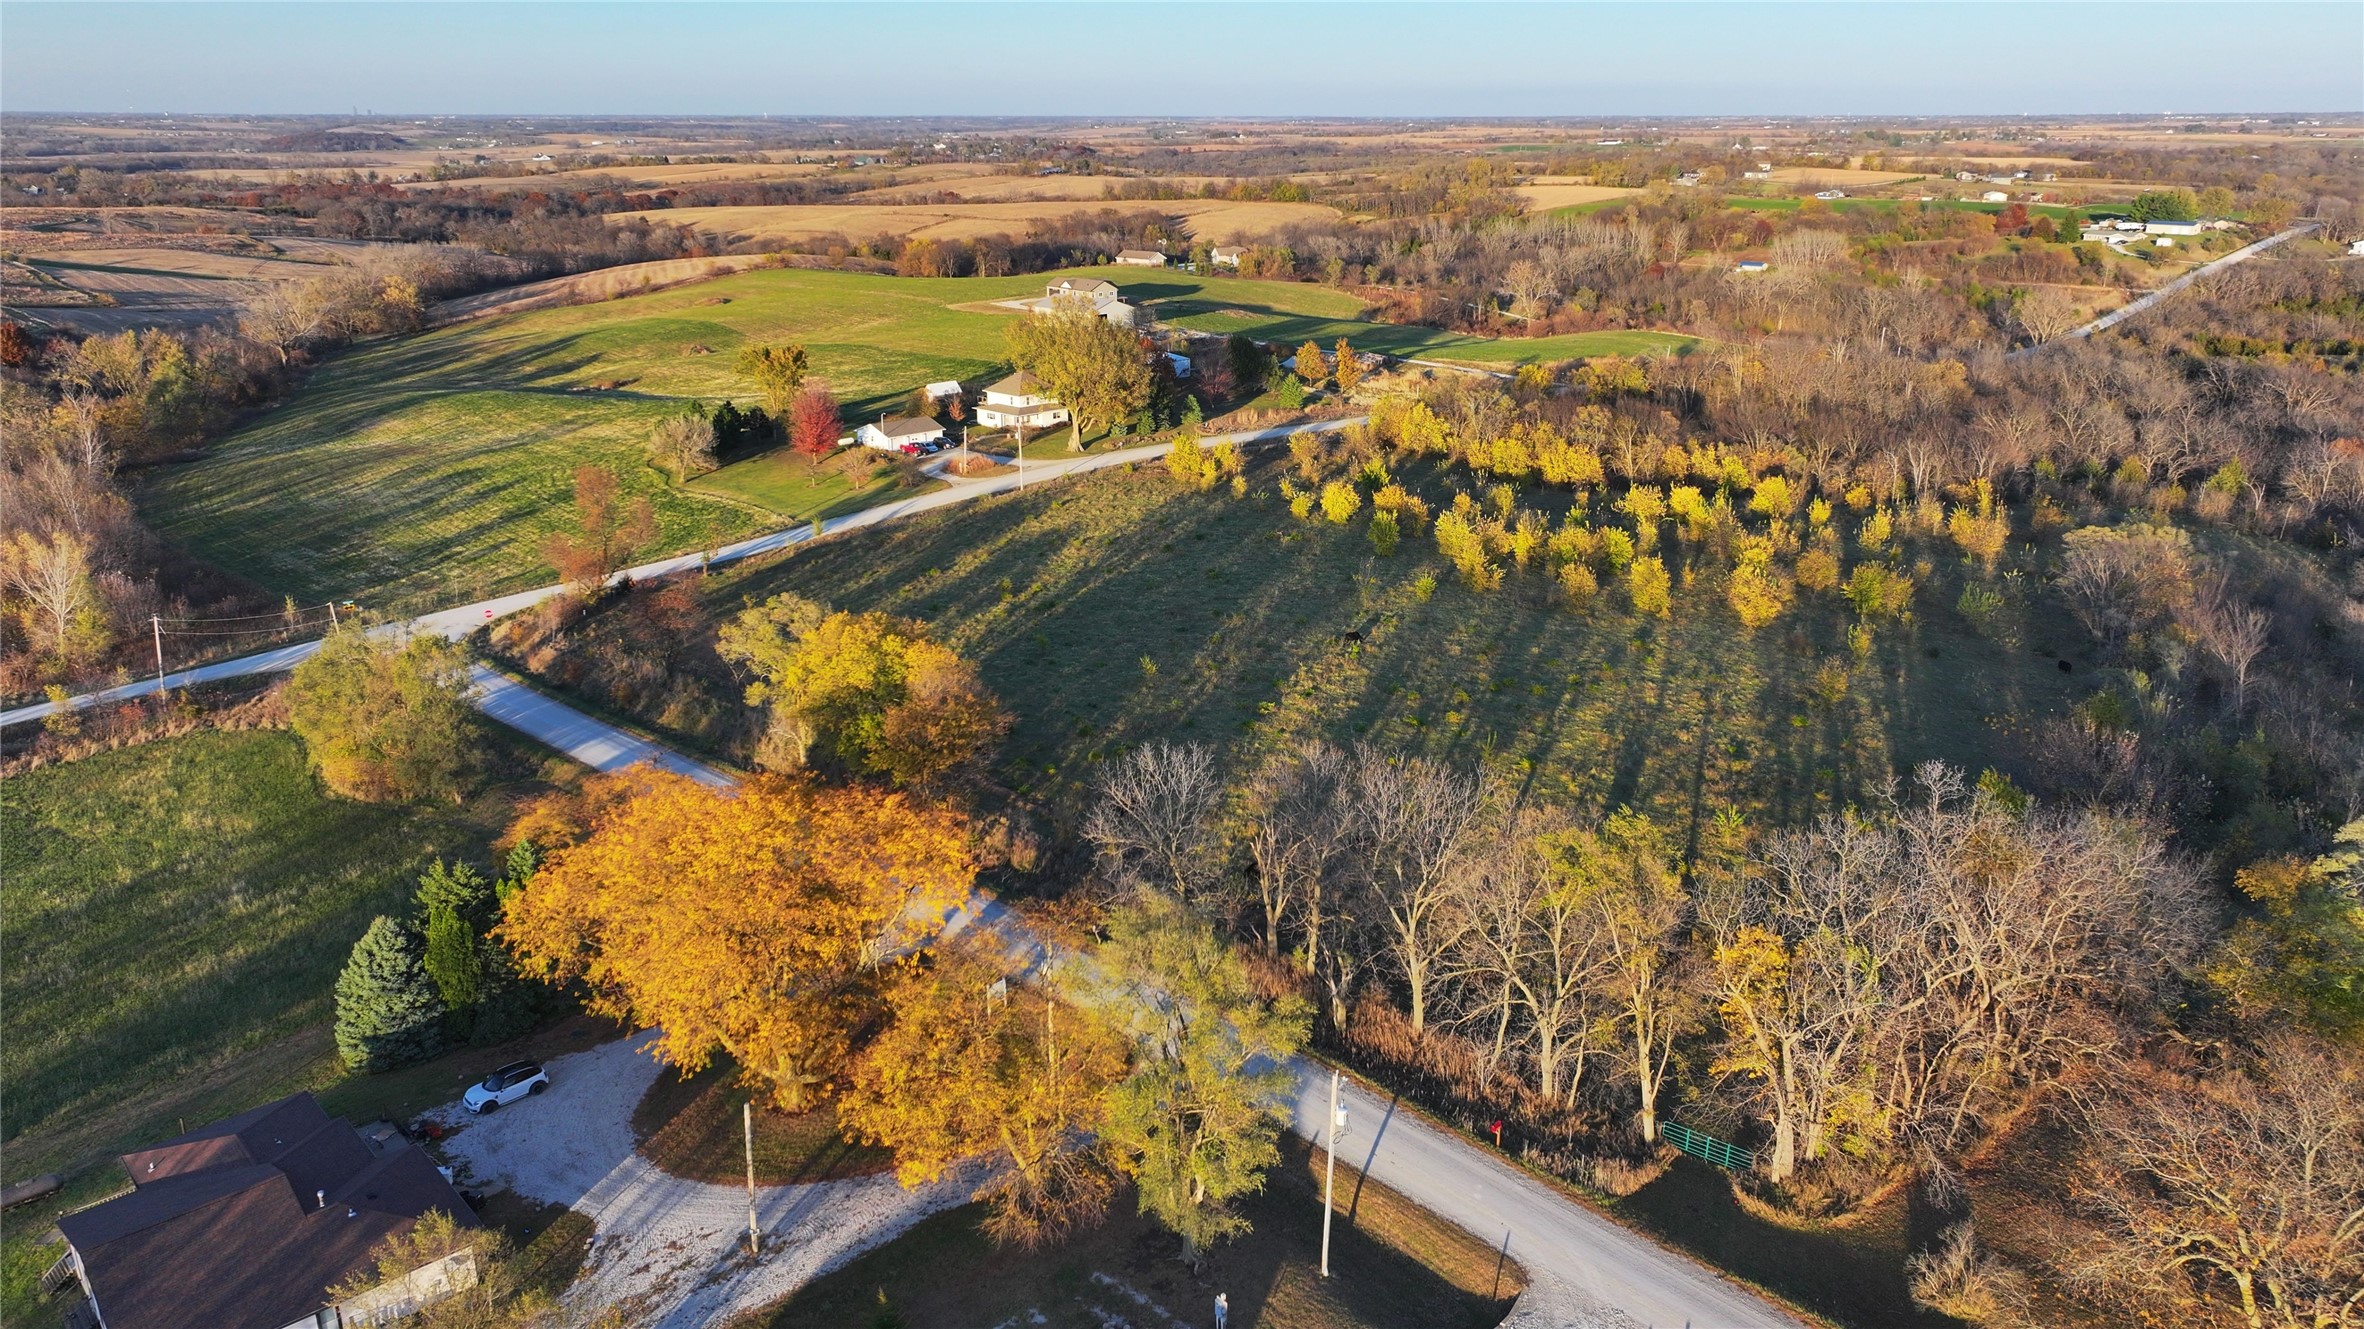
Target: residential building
<point>1091,288</point>
<point>1994,196</point>
<point>1227,256</point>
<point>1140,258</point>
<point>246,1224</point>
<point>1750,265</point>
<point>1101,297</point>
<point>2172,228</point>
<point>1018,402</point>
<point>895,435</point>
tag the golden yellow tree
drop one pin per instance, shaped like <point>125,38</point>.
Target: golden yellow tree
<point>756,924</point>
<point>885,699</point>
<point>965,1070</point>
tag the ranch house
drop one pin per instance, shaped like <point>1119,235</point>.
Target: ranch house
<point>1140,258</point>
<point>247,1222</point>
<point>893,435</point>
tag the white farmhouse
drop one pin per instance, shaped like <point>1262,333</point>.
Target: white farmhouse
<point>1018,402</point>
<point>1227,256</point>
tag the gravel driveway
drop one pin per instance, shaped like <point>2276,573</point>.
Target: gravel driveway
<point>669,1251</point>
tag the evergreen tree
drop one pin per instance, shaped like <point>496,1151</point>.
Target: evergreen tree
<point>388,1014</point>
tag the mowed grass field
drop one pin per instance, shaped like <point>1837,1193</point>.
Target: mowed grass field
<point>1114,609</point>
<point>177,905</point>
<point>430,469</point>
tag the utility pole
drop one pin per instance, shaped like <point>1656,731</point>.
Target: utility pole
<point>332,615</point>
<point>156,623</point>
<point>1330,1173</point>
<point>754,1233</point>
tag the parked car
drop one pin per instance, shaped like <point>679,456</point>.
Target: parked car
<point>506,1085</point>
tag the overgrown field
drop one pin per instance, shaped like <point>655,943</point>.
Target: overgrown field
<point>429,469</point>
<point>1393,1266</point>
<point>1119,608</point>
<point>179,906</point>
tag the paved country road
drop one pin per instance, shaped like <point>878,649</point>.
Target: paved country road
<point>1585,1271</point>
<point>459,622</point>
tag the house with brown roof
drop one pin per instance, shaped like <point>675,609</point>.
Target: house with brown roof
<point>245,1224</point>
<point>1140,258</point>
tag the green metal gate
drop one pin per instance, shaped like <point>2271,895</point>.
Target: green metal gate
<point>1707,1148</point>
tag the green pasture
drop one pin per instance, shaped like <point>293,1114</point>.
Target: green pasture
<point>431,469</point>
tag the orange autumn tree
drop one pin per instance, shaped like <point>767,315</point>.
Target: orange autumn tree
<point>960,1073</point>
<point>757,924</point>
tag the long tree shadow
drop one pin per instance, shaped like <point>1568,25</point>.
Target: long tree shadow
<point>1854,1277</point>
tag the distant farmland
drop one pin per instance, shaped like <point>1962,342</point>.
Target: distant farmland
<point>1217,220</point>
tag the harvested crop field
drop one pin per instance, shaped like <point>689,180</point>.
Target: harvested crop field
<point>1219,220</point>
<point>653,177</point>
<point>1017,188</point>
<point>1543,197</point>
<point>1839,176</point>
<point>140,287</point>
<point>583,288</point>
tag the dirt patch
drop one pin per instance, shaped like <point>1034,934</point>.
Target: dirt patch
<point>692,1128</point>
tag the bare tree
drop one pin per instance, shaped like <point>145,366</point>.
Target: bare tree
<point>1154,819</point>
<point>2252,1186</point>
<point>2234,635</point>
<point>1530,958</point>
<point>2046,312</point>
<point>1420,825</point>
<point>1298,833</point>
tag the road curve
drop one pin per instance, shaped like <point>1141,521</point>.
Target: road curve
<point>458,622</point>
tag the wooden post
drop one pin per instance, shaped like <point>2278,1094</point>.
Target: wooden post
<point>332,615</point>
<point>1330,1175</point>
<point>754,1233</point>
<point>156,623</point>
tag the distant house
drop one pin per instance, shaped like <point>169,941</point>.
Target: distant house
<point>1018,402</point>
<point>247,1223</point>
<point>895,435</point>
<point>1100,297</point>
<point>1140,258</point>
<point>2172,228</point>
<point>1764,174</point>
<point>1227,256</point>
<point>1830,195</point>
<point>939,391</point>
<point>1751,265</point>
<point>1093,288</point>
<point>2356,247</point>
<point>1994,196</point>
<point>1688,180</point>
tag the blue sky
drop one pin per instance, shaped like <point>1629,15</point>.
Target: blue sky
<point>1360,58</point>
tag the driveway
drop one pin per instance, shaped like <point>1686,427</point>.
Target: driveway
<point>671,1252</point>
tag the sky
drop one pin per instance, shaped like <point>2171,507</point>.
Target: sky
<point>1126,58</point>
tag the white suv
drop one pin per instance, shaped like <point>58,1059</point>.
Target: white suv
<point>506,1085</point>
